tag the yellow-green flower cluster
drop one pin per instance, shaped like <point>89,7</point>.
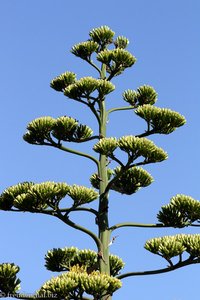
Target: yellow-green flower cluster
<point>134,146</point>
<point>116,60</point>
<point>9,283</point>
<point>121,42</point>
<point>62,259</point>
<point>137,147</point>
<point>84,87</point>
<point>171,246</point>
<point>182,211</point>
<point>62,81</point>
<point>106,146</point>
<point>32,197</point>
<point>81,194</point>
<point>102,35</point>
<point>162,120</point>
<point>145,94</point>
<point>131,180</point>
<point>77,279</point>
<point>29,196</point>
<point>85,49</point>
<point>42,130</point>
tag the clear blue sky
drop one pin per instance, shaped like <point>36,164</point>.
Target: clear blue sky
<point>36,37</point>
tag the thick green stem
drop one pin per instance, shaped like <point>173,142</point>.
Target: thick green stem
<point>120,109</point>
<point>131,224</point>
<point>103,224</point>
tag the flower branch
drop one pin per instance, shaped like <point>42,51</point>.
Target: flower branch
<point>179,265</point>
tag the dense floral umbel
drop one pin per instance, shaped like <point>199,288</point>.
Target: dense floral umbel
<point>78,281</point>
<point>9,283</point>
<point>28,196</point>
<point>85,49</point>
<point>145,94</point>
<point>130,181</point>
<point>167,246</point>
<point>36,197</point>
<point>42,130</point>
<point>69,130</point>
<point>116,60</point>
<point>162,120</point>
<point>134,146</point>
<point>121,42</point>
<point>62,259</point>
<point>106,146</point>
<point>137,147</point>
<point>86,86</point>
<point>180,212</point>
<point>102,35</point>
<point>171,246</point>
<point>9,195</point>
<point>81,194</point>
<point>62,81</point>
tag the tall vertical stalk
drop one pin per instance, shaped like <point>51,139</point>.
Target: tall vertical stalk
<point>104,232</point>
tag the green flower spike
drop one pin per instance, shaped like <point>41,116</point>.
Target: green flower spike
<point>106,146</point>
<point>9,283</point>
<point>62,259</point>
<point>137,147</point>
<point>82,132</point>
<point>38,131</point>
<point>143,95</point>
<point>82,194</point>
<point>8,196</point>
<point>192,244</point>
<point>105,87</point>
<point>167,246</point>
<point>61,82</point>
<point>116,60</point>
<point>131,181</point>
<point>41,195</point>
<point>121,42</point>
<point>102,35</point>
<point>82,88</point>
<point>162,120</point>
<point>64,128</point>
<point>171,246</point>
<point>77,278</point>
<point>180,212</point>
<point>84,50</point>
<point>28,196</point>
<point>116,264</point>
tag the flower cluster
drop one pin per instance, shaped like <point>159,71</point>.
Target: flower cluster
<point>145,94</point>
<point>42,130</point>
<point>86,86</point>
<point>79,281</point>
<point>130,181</point>
<point>32,197</point>
<point>171,246</point>
<point>180,212</point>
<point>62,259</point>
<point>133,146</point>
<point>162,120</point>
<point>9,283</point>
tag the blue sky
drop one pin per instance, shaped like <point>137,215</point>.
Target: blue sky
<point>36,38</point>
